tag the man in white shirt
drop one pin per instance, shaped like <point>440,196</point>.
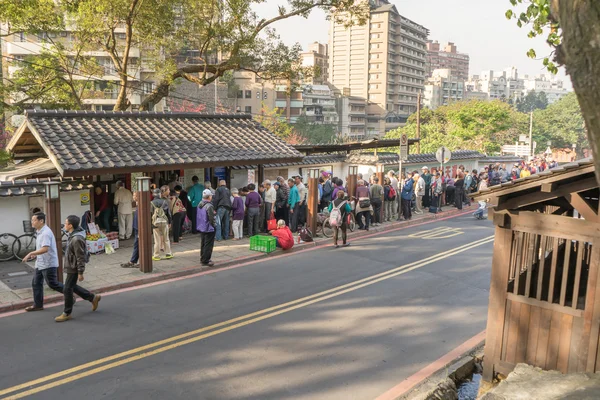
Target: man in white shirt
<point>394,184</point>
<point>303,192</point>
<point>419,193</point>
<point>123,200</point>
<point>270,198</point>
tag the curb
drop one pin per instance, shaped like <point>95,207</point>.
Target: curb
<point>397,225</point>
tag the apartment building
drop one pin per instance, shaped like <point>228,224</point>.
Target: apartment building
<point>319,105</point>
<point>251,93</point>
<point>447,57</point>
<point>383,61</point>
<point>442,89</point>
<point>549,84</point>
<point>317,56</point>
<point>104,88</point>
<point>352,112</point>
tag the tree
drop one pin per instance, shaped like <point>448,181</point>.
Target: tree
<point>315,133</point>
<point>275,122</point>
<point>532,101</point>
<point>473,125</point>
<point>572,27</point>
<point>224,36</point>
<point>561,123</point>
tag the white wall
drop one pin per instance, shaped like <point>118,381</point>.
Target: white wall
<point>15,210</point>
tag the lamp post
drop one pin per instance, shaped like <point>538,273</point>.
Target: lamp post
<point>351,183</point>
<point>313,199</point>
<point>52,206</point>
<point>144,224</point>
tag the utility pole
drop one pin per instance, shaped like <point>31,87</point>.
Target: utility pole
<point>418,123</point>
<point>531,136</point>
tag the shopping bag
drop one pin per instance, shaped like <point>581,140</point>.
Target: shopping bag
<point>272,223</point>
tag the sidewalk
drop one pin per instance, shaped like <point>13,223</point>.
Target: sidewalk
<point>104,272</point>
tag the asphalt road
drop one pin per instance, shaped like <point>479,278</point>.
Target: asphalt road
<point>321,324</point>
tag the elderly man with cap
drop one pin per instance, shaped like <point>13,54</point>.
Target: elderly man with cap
<point>123,200</point>
<point>427,178</point>
<point>206,225</point>
<point>161,219</point>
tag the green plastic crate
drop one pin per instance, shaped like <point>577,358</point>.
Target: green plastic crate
<point>265,244</point>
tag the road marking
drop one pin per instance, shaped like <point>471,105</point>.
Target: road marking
<point>443,232</point>
<point>202,333</point>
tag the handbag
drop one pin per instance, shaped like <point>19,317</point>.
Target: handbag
<point>271,223</point>
<point>364,203</point>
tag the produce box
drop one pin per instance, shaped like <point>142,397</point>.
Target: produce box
<point>95,246</point>
<point>114,243</point>
<point>264,244</point>
<point>112,235</point>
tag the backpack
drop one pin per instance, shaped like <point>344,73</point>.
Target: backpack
<point>335,218</point>
<point>159,218</point>
<point>392,194</point>
<point>305,235</point>
<point>176,206</point>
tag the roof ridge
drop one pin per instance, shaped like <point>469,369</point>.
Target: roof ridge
<point>132,114</point>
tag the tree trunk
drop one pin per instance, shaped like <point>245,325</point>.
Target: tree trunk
<point>580,54</point>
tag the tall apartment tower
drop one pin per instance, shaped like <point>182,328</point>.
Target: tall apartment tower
<point>317,55</point>
<point>447,58</point>
<point>382,61</point>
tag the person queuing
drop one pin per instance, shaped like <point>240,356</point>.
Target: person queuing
<point>377,198</point>
<point>161,219</point>
<point>270,201</point>
<point>281,206</point>
<point>363,205</point>
<point>253,202</point>
<point>206,225</point>
<point>102,208</point>
<point>407,195</point>
<point>195,197</point>
<point>294,205</point>
<point>178,212</point>
<point>222,203</point>
<point>123,200</point>
<point>135,256</point>
<point>238,208</point>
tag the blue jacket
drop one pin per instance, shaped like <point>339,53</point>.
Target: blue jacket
<point>294,197</point>
<point>407,190</point>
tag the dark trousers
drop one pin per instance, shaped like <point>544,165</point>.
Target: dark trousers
<point>193,218</point>
<point>51,277</point>
<point>458,198</point>
<point>406,209</point>
<point>72,286</point>
<point>450,193</point>
<point>104,219</point>
<point>136,248</point>
<point>206,246</point>
<point>427,197</point>
<point>268,207</point>
<point>377,203</point>
<point>359,219</point>
<point>178,219</point>
<point>295,218</point>
<point>337,229</point>
<point>253,221</point>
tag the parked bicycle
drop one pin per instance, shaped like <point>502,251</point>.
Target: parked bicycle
<point>7,241</point>
<point>25,243</point>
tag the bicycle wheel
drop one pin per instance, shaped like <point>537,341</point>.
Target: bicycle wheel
<point>351,222</point>
<point>327,229</point>
<point>7,241</point>
<point>24,245</point>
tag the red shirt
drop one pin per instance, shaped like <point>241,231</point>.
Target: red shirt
<point>286,239</point>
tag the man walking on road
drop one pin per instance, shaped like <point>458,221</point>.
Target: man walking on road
<point>123,201</point>
<point>74,265</point>
<point>46,262</point>
<point>206,225</point>
<point>222,203</point>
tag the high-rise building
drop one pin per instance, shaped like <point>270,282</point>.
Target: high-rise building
<point>317,56</point>
<point>442,89</point>
<point>447,58</point>
<point>383,62</point>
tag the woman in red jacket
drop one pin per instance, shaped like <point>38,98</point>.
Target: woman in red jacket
<point>283,235</point>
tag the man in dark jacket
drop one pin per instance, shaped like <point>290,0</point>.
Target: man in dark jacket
<point>74,266</point>
<point>222,203</point>
<point>206,224</point>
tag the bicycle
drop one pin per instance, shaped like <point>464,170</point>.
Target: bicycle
<point>7,240</point>
<point>25,243</point>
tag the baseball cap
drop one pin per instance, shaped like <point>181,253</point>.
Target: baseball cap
<point>207,192</point>
<point>425,168</point>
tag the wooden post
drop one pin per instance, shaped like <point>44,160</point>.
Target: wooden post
<point>380,178</point>
<point>144,223</point>
<point>260,175</point>
<point>313,199</point>
<point>352,179</point>
<point>92,203</point>
<point>53,220</point>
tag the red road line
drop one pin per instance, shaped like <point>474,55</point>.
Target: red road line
<point>213,271</point>
<point>406,385</point>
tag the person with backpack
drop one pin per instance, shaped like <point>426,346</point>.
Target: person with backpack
<point>161,219</point>
<point>338,213</point>
<point>75,258</point>
<point>206,225</point>
<point>389,194</point>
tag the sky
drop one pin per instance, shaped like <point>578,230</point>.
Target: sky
<point>478,27</point>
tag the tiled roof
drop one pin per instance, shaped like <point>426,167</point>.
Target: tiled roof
<point>318,159</point>
<point>427,158</point>
<point>110,142</point>
<point>512,186</point>
<point>36,167</point>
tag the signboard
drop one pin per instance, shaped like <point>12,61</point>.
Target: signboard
<point>443,155</point>
<point>220,173</point>
<point>404,153</point>
<point>404,140</point>
<point>84,199</point>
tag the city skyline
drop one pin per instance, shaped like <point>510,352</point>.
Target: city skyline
<point>500,44</point>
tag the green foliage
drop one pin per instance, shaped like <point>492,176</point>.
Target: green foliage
<point>474,125</point>
<point>538,17</point>
<point>532,101</point>
<point>315,133</point>
<point>274,121</point>
<point>561,123</point>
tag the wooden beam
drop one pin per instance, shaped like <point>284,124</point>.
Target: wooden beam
<point>539,197</point>
<point>582,207</point>
<point>549,187</point>
<point>555,225</point>
<point>501,220</point>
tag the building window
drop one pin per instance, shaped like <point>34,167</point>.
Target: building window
<point>240,94</point>
<point>248,109</point>
<point>248,94</point>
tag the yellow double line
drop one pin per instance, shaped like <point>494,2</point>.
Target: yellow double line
<point>138,353</point>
